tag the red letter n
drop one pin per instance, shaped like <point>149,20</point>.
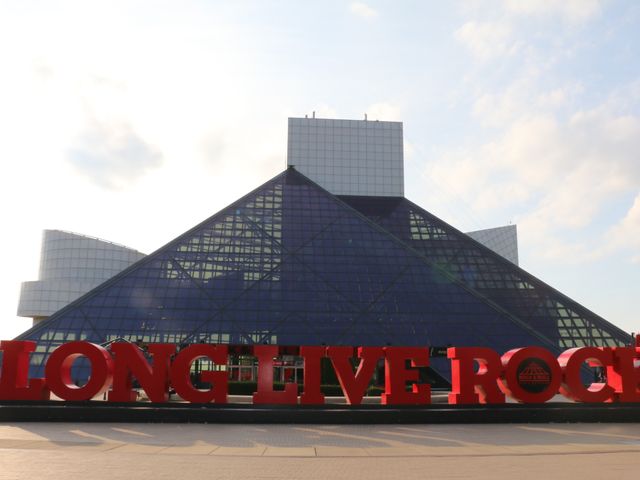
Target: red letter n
<point>129,361</point>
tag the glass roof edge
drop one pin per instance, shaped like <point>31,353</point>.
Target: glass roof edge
<point>143,261</point>
<point>432,265</point>
<point>521,270</point>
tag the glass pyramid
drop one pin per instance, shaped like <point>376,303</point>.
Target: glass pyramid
<point>292,264</point>
<point>560,320</point>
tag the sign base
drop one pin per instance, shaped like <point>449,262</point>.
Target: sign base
<point>145,412</point>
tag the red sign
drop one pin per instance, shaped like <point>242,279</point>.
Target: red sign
<point>478,375</point>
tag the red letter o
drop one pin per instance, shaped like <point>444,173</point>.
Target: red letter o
<point>58,371</point>
<point>531,375</point>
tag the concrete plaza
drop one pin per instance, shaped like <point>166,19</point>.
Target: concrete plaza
<point>174,451</point>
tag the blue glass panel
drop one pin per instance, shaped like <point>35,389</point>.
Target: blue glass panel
<point>291,264</point>
<point>525,298</point>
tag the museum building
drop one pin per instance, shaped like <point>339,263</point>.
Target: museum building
<point>329,252</point>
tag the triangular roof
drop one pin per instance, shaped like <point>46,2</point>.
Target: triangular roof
<point>562,321</point>
<point>292,264</point>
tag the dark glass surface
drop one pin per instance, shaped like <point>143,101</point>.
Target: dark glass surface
<point>291,264</point>
<point>560,320</point>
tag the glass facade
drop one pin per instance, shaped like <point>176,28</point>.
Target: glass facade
<point>554,317</point>
<point>292,264</point>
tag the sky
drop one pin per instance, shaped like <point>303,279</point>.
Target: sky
<point>132,121</point>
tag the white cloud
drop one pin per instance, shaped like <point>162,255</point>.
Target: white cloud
<point>497,31</point>
<point>553,99</point>
<point>523,98</point>
<point>559,164</point>
<point>325,111</point>
<point>112,156</point>
<point>626,234</point>
<point>571,10</point>
<point>487,40</point>
<point>363,10</point>
<point>561,174</point>
<point>385,111</point>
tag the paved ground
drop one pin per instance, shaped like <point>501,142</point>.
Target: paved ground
<point>94,451</point>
